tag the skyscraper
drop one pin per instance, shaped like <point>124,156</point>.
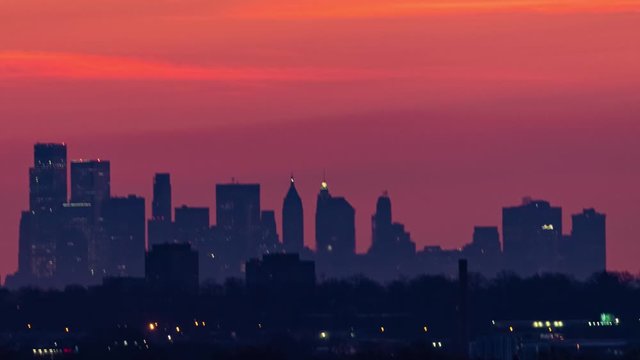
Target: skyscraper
<point>172,267</point>
<point>589,243</point>
<point>192,225</point>
<point>124,223</point>
<point>292,221</point>
<point>335,225</point>
<point>47,193</point>
<point>238,216</point>
<point>531,235</point>
<point>381,229</point>
<point>48,177</point>
<point>269,240</point>
<point>72,249</point>
<point>161,230</point>
<point>90,182</point>
<point>161,206</point>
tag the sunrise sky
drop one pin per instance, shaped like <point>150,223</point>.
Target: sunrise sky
<point>456,107</point>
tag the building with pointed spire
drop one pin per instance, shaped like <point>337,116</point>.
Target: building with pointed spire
<point>292,220</point>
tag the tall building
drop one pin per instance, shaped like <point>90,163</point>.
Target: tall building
<point>335,225</point>
<point>39,228</point>
<point>124,224</point>
<point>589,244</point>
<point>269,239</point>
<point>192,225</point>
<point>172,267</point>
<point>292,221</point>
<point>531,232</point>
<point>72,249</point>
<point>391,244</point>
<point>238,218</point>
<point>90,182</point>
<point>161,230</point>
<point>48,178</point>
<point>161,206</point>
<point>484,252</point>
<point>381,224</point>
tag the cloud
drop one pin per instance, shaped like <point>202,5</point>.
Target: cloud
<point>20,65</point>
<point>307,9</point>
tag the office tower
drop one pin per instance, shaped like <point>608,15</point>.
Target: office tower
<point>172,267</point>
<point>335,225</point>
<point>389,239</point>
<point>531,234</point>
<point>280,272</point>
<point>381,227</point>
<point>589,244</point>
<point>192,225</point>
<point>161,206</point>
<point>161,229</point>
<point>48,178</point>
<point>292,221</point>
<point>72,249</point>
<point>124,224</point>
<point>90,182</point>
<point>269,240</point>
<point>238,218</point>
<point>39,228</point>
<point>484,252</point>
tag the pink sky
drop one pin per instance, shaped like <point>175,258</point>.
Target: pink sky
<point>457,108</point>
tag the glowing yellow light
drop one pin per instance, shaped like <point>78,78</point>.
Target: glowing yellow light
<point>204,323</point>
<point>323,335</point>
<point>324,185</point>
<point>381,329</point>
<point>547,324</point>
<point>547,227</point>
<point>28,326</point>
<point>66,329</point>
<point>177,329</point>
<point>152,326</point>
<point>425,328</point>
<point>511,328</point>
<point>196,323</point>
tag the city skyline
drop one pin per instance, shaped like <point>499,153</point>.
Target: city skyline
<point>89,235</point>
<point>456,108</point>
<point>362,245</point>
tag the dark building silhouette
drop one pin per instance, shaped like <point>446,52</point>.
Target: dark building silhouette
<point>72,249</point>
<point>237,224</point>
<point>531,233</point>
<point>269,239</point>
<point>124,223</point>
<point>335,225</point>
<point>48,178</point>
<point>172,267</point>
<point>587,252</point>
<point>484,253</point>
<point>280,271</point>
<point>161,205</point>
<point>292,221</point>
<point>391,246</point>
<point>192,225</point>
<point>161,230</point>
<point>91,184</point>
<point>39,226</point>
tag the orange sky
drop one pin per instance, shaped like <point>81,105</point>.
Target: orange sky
<point>464,106</point>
